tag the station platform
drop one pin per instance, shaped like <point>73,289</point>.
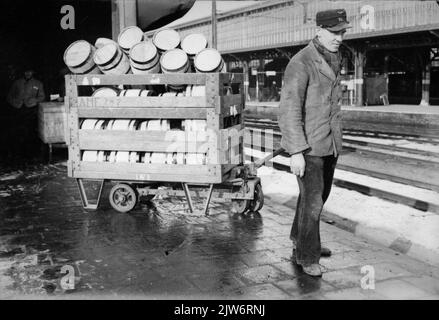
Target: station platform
<point>160,251</point>
<point>399,108</point>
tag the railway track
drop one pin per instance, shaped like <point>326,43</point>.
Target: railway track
<point>409,166</point>
<point>351,144</point>
<point>425,138</point>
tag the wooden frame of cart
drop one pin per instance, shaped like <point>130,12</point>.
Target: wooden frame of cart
<point>222,176</point>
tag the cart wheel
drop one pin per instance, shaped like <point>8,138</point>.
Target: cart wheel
<point>123,197</point>
<point>240,205</point>
<point>258,201</point>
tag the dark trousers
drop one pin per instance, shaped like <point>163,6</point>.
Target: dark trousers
<point>315,186</point>
<point>25,143</point>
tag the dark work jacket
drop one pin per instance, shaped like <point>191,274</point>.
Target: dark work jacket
<point>26,93</point>
<point>309,111</point>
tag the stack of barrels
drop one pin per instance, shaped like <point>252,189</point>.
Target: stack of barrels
<point>186,125</point>
<point>144,125</point>
<point>133,53</point>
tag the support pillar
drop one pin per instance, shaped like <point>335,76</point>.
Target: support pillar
<point>246,78</point>
<point>214,28</point>
<point>386,76</point>
<point>123,14</point>
<point>425,101</point>
<point>360,58</point>
<point>261,68</point>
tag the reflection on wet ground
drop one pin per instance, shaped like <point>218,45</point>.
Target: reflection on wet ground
<point>157,250</point>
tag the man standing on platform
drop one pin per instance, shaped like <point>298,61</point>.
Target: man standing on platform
<point>310,122</point>
<point>25,95</point>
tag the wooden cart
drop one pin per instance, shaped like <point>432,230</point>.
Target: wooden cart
<point>223,177</point>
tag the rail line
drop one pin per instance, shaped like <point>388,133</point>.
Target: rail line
<point>424,138</point>
<point>374,192</point>
<point>425,157</point>
<point>382,155</point>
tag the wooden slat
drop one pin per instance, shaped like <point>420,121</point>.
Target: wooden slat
<point>72,123</point>
<point>213,90</point>
<point>212,154</point>
<point>149,172</point>
<point>157,141</point>
<point>165,177</point>
<point>135,79</point>
<point>142,168</point>
<point>142,113</point>
<point>142,102</point>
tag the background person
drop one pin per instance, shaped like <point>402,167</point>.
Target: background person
<point>25,95</point>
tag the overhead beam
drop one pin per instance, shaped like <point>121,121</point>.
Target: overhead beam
<point>406,43</point>
<point>435,33</point>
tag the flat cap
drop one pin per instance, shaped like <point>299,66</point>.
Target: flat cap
<point>333,20</point>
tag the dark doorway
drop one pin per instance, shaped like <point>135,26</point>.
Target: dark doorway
<point>31,35</point>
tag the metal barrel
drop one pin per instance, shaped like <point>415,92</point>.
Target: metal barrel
<point>166,39</point>
<point>209,60</point>
<point>111,59</point>
<point>175,61</point>
<point>144,58</point>
<point>128,37</point>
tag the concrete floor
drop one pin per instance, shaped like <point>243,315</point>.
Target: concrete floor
<point>161,251</point>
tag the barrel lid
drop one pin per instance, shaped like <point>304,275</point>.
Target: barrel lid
<point>105,53</point>
<point>194,43</point>
<point>166,39</point>
<point>174,59</point>
<point>142,52</point>
<point>129,37</point>
<point>77,53</point>
<point>100,42</point>
<point>105,92</point>
<point>207,60</point>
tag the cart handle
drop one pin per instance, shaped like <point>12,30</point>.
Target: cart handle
<point>260,162</point>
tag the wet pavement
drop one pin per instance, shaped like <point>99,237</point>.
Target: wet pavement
<point>159,250</point>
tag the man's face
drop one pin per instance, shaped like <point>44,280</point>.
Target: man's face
<point>28,74</point>
<point>331,40</point>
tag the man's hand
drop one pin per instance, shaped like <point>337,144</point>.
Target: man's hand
<point>298,164</point>
<point>32,102</point>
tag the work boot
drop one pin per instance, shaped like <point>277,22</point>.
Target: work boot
<point>312,269</point>
<point>324,252</point>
